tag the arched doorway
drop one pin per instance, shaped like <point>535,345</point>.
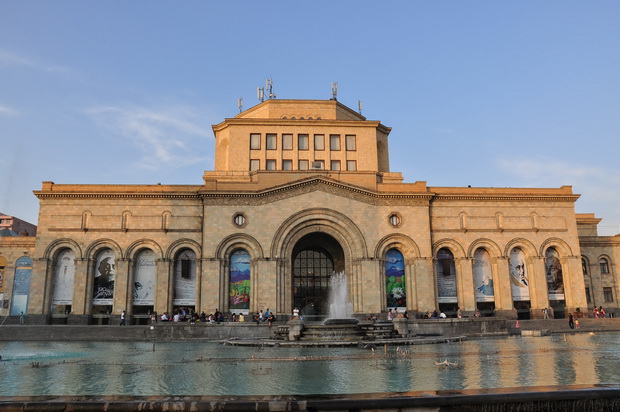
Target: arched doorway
<point>316,257</point>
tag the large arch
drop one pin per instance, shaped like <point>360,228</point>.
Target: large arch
<point>135,247</point>
<point>236,241</point>
<point>562,247</point>
<point>97,245</point>
<point>180,244</point>
<point>455,247</point>
<point>57,245</point>
<point>407,246</point>
<point>528,247</point>
<point>490,246</point>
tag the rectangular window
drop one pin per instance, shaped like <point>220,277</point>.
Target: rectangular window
<point>351,165</point>
<point>271,164</point>
<point>318,165</point>
<point>255,141</point>
<point>335,165</point>
<point>608,295</point>
<point>588,295</point>
<point>287,165</point>
<point>604,266</point>
<point>319,142</point>
<point>334,142</point>
<point>302,141</point>
<point>271,141</point>
<point>254,165</point>
<point>186,266</point>
<point>351,145</point>
<point>287,142</point>
<point>303,165</point>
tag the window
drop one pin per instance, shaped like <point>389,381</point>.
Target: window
<point>588,299</point>
<point>351,165</point>
<point>608,295</point>
<point>335,165</point>
<point>303,165</point>
<point>271,164</point>
<point>287,165</point>
<point>254,165</point>
<point>319,142</point>
<point>604,265</point>
<point>318,165</point>
<point>255,141</point>
<point>302,141</point>
<point>239,220</point>
<point>351,145</point>
<point>334,142</point>
<point>287,142</point>
<point>186,267</point>
<point>395,219</point>
<point>271,141</point>
<point>584,266</point>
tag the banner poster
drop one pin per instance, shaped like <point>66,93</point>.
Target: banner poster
<point>144,278</point>
<point>239,292</point>
<point>64,275</point>
<point>446,277</point>
<point>519,281</point>
<point>553,270</point>
<point>105,271</point>
<point>185,279</point>
<point>395,279</point>
<point>21,286</point>
<point>483,276</point>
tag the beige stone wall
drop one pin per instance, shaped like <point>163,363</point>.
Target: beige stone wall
<point>11,249</point>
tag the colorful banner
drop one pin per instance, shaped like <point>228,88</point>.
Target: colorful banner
<point>239,293</point>
<point>555,279</point>
<point>64,276</point>
<point>105,271</point>
<point>185,279</point>
<point>395,279</point>
<point>21,286</point>
<point>483,276</point>
<point>519,281</point>
<point>446,277</point>
<point>144,278</point>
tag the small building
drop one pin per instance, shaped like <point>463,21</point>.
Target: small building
<point>302,189</point>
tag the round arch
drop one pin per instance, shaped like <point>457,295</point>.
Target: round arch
<point>557,243</point>
<point>56,246</point>
<point>133,249</point>
<point>97,245</point>
<point>487,244</point>
<point>528,248</point>
<point>407,246</point>
<point>239,241</point>
<point>454,247</point>
<point>181,244</point>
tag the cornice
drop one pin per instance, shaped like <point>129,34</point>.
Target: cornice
<point>505,197</point>
<point>93,195</point>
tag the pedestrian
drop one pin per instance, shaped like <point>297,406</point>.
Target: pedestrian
<point>595,312</point>
<point>601,312</point>
<point>571,321</point>
<point>122,319</point>
<point>270,319</point>
<point>22,319</point>
<point>545,312</point>
<point>257,318</point>
<point>576,323</point>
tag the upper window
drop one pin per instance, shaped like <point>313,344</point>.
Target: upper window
<point>302,141</point>
<point>287,142</point>
<point>319,142</point>
<point>271,141</point>
<point>254,165</point>
<point>255,141</point>
<point>604,265</point>
<point>351,144</point>
<point>608,295</point>
<point>334,142</point>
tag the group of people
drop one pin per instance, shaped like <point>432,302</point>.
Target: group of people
<point>267,316</point>
<point>391,315</point>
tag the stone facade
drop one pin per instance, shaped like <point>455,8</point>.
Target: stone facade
<point>302,188</point>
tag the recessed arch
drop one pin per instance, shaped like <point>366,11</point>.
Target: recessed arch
<point>407,246</point>
<point>180,244</point>
<point>135,247</point>
<point>528,247</point>
<point>560,245</point>
<point>54,247</point>
<point>239,241</point>
<point>487,244</point>
<point>99,244</point>
<point>451,244</point>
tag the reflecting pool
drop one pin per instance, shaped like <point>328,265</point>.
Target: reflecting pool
<point>142,369</point>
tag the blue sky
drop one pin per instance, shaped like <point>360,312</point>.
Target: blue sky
<point>481,93</point>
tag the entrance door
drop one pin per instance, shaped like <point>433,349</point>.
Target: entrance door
<point>312,268</point>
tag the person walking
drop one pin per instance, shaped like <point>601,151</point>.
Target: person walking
<point>22,319</point>
<point>122,319</point>
<point>571,321</point>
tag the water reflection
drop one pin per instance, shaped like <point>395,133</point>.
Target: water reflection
<point>92,368</point>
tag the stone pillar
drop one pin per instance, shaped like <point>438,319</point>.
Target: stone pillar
<point>502,288</point>
<point>370,296</point>
<point>538,286</point>
<point>40,297</point>
<point>121,286</point>
<point>80,287</point>
<point>265,289</point>
<point>465,285</point>
<point>210,284</point>
<point>426,291</point>
<point>411,285</point>
<point>198,290</point>
<point>165,288</point>
<point>574,285</point>
<point>90,285</point>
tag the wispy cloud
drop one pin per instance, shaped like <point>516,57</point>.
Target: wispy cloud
<point>7,111</point>
<point>166,136</point>
<point>11,59</point>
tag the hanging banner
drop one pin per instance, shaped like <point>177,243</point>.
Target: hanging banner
<point>64,276</point>
<point>105,271</point>
<point>239,293</point>
<point>395,279</point>
<point>144,278</point>
<point>483,276</point>
<point>21,286</point>
<point>446,277</point>
<point>185,279</point>
<point>519,281</point>
<point>555,279</point>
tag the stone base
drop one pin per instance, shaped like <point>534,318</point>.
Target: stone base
<point>335,321</point>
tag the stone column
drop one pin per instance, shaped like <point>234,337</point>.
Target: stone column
<point>198,290</point>
<point>574,285</point>
<point>502,288</point>
<point>210,284</point>
<point>426,291</point>
<point>465,284</point>
<point>80,287</point>
<point>539,297</point>
<point>165,287</point>
<point>121,286</point>
<point>40,297</point>
<point>411,285</point>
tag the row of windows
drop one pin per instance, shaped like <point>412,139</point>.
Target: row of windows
<point>287,164</point>
<point>608,295</point>
<point>603,265</point>
<point>303,141</point>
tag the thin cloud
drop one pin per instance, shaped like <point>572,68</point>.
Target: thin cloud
<point>7,111</point>
<point>166,137</point>
<point>11,59</point>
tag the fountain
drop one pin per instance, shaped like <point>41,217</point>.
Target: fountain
<point>340,308</point>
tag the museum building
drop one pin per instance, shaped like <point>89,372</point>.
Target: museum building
<point>302,189</point>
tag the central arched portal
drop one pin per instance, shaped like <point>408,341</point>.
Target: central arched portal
<point>316,257</point>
